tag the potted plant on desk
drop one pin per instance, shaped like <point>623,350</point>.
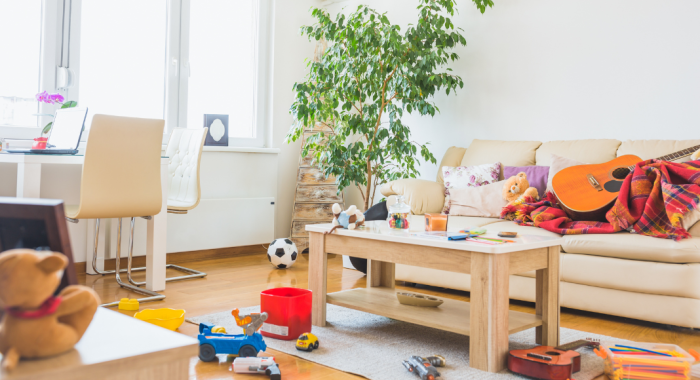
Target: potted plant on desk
<point>370,74</point>
<point>45,97</point>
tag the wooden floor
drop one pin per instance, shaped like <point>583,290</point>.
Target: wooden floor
<point>237,282</point>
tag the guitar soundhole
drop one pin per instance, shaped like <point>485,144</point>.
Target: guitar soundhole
<point>620,173</point>
<point>553,353</point>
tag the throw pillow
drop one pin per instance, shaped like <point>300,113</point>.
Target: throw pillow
<point>557,164</point>
<point>536,175</point>
<point>484,201</point>
<point>468,176</point>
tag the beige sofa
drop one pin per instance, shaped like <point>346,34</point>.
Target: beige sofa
<point>620,274</point>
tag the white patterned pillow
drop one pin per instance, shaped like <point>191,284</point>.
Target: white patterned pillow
<point>468,176</point>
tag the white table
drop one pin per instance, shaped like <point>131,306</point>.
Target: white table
<point>116,347</point>
<point>29,185</point>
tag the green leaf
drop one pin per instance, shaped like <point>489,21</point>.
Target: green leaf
<point>47,128</point>
<point>69,104</point>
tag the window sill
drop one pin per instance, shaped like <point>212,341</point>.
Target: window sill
<point>242,149</point>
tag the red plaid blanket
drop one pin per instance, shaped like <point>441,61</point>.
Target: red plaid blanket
<point>652,202</point>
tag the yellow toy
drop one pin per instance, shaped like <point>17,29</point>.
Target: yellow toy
<point>170,319</point>
<point>518,187</point>
<point>219,329</point>
<point>128,304</point>
<point>307,342</point>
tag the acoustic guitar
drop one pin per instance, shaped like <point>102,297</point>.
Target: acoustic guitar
<point>587,192</point>
<point>549,363</point>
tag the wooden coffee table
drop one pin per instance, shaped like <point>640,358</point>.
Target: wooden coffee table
<point>486,319</point>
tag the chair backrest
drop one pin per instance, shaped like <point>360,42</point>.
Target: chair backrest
<point>185,154</point>
<point>121,173</point>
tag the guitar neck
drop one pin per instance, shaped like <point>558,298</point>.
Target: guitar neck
<point>574,345</point>
<point>676,155</point>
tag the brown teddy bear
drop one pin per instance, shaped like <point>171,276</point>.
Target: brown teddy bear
<point>36,323</point>
<point>517,187</point>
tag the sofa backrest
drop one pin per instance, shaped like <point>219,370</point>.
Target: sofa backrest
<point>526,153</point>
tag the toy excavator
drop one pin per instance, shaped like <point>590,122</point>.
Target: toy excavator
<point>249,322</point>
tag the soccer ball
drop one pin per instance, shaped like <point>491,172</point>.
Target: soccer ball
<point>282,253</point>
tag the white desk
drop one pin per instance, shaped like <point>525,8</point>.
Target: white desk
<point>29,185</point>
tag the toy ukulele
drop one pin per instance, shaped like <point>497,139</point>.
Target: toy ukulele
<point>549,363</point>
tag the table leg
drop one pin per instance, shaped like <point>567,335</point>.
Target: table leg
<point>488,336</point>
<point>380,273</point>
<point>156,238</point>
<point>28,180</point>
<point>318,277</point>
<point>547,300</point>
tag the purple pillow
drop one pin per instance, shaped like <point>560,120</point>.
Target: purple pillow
<point>536,175</point>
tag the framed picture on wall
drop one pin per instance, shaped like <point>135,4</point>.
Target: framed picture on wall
<point>218,130</point>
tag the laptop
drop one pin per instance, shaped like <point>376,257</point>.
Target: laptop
<point>68,125</point>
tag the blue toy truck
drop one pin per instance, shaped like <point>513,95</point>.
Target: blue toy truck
<point>211,343</point>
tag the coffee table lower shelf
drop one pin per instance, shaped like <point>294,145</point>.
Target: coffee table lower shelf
<point>451,316</point>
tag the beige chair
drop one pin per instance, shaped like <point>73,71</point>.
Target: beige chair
<point>184,153</point>
<point>121,179</point>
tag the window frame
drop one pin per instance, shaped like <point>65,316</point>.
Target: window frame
<point>262,44</point>
<point>60,47</point>
<point>55,20</point>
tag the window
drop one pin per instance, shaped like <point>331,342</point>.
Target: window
<point>221,63</point>
<point>171,59</point>
<point>122,64</point>
<point>19,67</point>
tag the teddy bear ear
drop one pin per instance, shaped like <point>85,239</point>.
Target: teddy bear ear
<point>522,174</point>
<point>52,263</point>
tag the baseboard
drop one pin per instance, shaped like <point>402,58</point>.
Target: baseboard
<point>183,257</point>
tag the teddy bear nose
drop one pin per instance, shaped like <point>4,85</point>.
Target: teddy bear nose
<point>514,189</point>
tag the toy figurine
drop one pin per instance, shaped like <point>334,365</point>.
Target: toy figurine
<point>249,322</point>
<point>349,219</point>
<point>265,366</point>
<point>424,368</point>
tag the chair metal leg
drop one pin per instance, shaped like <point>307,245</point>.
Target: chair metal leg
<point>192,272</point>
<point>94,256</point>
<point>152,296</point>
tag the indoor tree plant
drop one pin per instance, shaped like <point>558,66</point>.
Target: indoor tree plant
<point>370,74</point>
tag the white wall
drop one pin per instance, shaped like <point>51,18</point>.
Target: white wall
<point>224,175</point>
<point>290,51</point>
<point>558,70</point>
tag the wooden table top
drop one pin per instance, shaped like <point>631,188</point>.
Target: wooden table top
<point>113,340</point>
<point>379,230</point>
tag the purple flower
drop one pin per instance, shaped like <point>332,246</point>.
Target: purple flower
<point>472,179</point>
<point>45,97</point>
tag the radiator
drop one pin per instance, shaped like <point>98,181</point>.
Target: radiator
<point>221,223</point>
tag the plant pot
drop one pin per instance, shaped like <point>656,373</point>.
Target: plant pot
<point>39,143</point>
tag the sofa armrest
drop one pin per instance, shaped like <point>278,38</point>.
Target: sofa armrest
<point>423,196</point>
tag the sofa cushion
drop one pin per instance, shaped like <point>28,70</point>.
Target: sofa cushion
<point>595,151</point>
<point>625,245</point>
<point>453,157</point>
<point>423,196</point>
<point>508,153</point>
<point>678,280</point>
<point>484,201</point>
<point>646,149</point>
<point>458,223</point>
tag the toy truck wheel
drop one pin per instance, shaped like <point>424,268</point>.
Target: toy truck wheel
<point>316,345</point>
<point>207,353</point>
<point>247,351</point>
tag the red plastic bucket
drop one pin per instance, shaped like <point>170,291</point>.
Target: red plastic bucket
<point>288,312</point>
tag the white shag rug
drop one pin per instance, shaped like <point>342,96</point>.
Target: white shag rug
<point>374,346</point>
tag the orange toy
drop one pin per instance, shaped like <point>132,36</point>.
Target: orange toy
<point>249,322</point>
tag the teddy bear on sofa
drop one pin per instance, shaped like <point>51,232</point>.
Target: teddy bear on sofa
<point>518,187</point>
<point>36,323</point>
